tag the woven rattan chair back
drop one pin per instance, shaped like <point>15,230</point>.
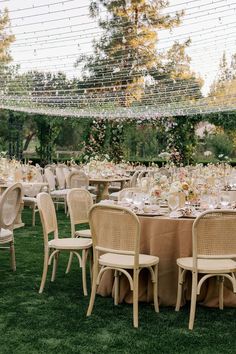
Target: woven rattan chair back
<point>78,179</point>
<point>52,167</point>
<point>133,181</point>
<point>126,191</point>
<point>115,230</point>
<point>47,215</point>
<point>66,172</point>
<point>10,203</point>
<point>142,174</point>
<point>79,203</point>
<point>61,180</point>
<point>50,179</point>
<point>36,175</point>
<point>214,235</point>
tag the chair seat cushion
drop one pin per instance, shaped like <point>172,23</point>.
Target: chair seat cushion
<point>70,243</point>
<point>126,261</point>
<point>5,236</point>
<point>208,265</point>
<point>59,192</point>
<point>83,233</point>
<point>29,199</point>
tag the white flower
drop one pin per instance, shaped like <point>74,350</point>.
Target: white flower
<point>163,179</point>
<point>207,153</point>
<point>164,155</point>
<point>175,187</point>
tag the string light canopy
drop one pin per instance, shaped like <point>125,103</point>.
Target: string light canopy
<point>146,60</point>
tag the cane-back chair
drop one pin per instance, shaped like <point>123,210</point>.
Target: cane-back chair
<point>58,195</point>
<point>214,247</point>
<point>116,241</point>
<point>53,247</point>
<point>10,204</point>
<point>79,179</point>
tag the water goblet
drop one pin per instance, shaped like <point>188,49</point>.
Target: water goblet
<point>138,200</point>
<point>173,201</point>
<point>212,201</point>
<point>224,200</point>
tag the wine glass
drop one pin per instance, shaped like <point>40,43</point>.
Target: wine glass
<point>224,200</point>
<point>127,197</point>
<point>138,200</point>
<point>212,201</point>
<point>173,201</point>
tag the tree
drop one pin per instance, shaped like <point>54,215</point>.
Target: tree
<point>126,53</point>
<point>48,129</point>
<point>126,69</point>
<point>6,39</point>
<point>223,89</point>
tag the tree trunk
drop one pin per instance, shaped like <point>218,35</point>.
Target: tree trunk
<point>28,140</point>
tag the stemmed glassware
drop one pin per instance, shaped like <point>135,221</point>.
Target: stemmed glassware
<point>224,200</point>
<point>138,200</point>
<point>173,201</point>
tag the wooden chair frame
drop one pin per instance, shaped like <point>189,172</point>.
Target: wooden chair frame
<point>207,259</point>
<point>8,223</point>
<point>132,249</point>
<point>54,247</point>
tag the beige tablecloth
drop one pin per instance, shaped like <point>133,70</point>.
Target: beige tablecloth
<point>168,239</point>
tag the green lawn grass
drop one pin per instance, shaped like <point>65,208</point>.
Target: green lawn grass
<point>55,322</point>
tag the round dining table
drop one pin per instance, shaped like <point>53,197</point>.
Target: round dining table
<point>103,184</point>
<point>168,238</point>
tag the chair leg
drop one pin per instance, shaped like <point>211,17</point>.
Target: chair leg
<point>45,270</point>
<point>33,215</point>
<point>54,269</point>
<point>65,205</point>
<point>193,300</point>
<point>91,265</point>
<point>221,293</point>
<point>180,290</point>
<point>94,287</point>
<point>69,263</point>
<point>116,297</point>
<point>84,281</point>
<point>135,298</point>
<point>13,257</point>
<point>155,289</point>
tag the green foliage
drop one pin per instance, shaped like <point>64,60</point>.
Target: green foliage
<point>181,138</point>
<point>48,129</point>
<point>226,120</point>
<point>116,138</point>
<point>74,135</point>
<point>96,143</point>
<point>3,130</point>
<point>221,144</point>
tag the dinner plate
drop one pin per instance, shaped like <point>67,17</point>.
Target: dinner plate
<point>155,213</point>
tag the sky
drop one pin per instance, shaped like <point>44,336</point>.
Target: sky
<point>51,34</point>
